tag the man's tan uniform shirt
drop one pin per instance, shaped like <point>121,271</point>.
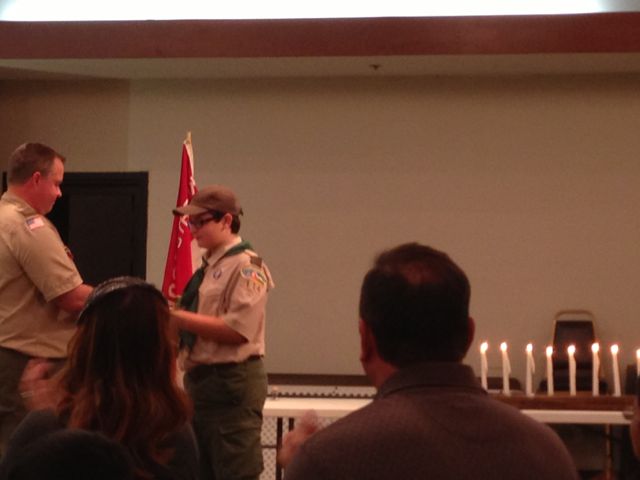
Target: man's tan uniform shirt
<point>234,288</point>
<point>35,268</point>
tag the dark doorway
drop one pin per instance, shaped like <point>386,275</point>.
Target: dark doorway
<point>102,218</point>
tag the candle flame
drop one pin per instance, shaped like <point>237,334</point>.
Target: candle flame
<point>638,353</point>
<point>503,346</point>
<point>571,349</point>
<point>549,351</point>
<point>595,348</point>
<point>529,348</point>
<point>614,349</point>
<point>484,346</point>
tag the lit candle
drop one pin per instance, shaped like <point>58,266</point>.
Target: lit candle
<point>638,363</point>
<point>506,369</point>
<point>483,364</point>
<point>549,371</point>
<point>531,368</point>
<point>571,350</point>
<point>595,382</point>
<point>616,370</point>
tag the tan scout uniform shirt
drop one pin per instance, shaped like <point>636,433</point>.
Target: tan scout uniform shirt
<point>235,289</point>
<point>35,268</point>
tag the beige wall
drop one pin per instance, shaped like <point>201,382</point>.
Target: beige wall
<point>86,121</point>
<point>531,184</point>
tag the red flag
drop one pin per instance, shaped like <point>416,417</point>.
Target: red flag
<point>179,267</point>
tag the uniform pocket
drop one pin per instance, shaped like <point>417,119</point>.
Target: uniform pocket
<point>212,386</point>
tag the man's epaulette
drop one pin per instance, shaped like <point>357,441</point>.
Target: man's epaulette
<point>257,261</point>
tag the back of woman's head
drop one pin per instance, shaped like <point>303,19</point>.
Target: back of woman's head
<point>120,375</point>
<point>123,336</point>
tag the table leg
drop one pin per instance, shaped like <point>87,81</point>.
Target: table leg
<point>279,428</point>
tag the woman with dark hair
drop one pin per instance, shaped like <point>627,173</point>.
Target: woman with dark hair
<point>119,381</point>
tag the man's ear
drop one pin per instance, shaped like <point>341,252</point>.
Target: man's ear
<point>471,327</point>
<point>375,367</point>
<point>36,177</point>
<point>227,219</point>
<point>367,342</point>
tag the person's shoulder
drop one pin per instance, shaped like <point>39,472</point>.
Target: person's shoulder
<point>355,428</point>
<point>334,451</point>
<point>15,208</point>
<point>10,216</point>
<point>33,225</point>
<point>516,421</point>
<point>44,419</point>
<point>36,424</point>
<point>251,257</point>
<point>251,266</point>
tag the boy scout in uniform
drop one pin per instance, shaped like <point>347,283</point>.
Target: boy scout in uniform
<point>222,318</point>
<point>38,278</point>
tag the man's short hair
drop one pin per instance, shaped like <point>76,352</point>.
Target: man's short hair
<point>29,158</point>
<point>415,300</point>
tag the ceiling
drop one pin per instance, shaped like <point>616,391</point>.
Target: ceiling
<point>503,45</point>
<point>378,66</point>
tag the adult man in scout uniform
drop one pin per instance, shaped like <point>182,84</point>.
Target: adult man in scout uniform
<point>38,279</point>
<point>222,318</point>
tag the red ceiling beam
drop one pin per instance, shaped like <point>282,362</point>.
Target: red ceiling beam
<point>585,33</point>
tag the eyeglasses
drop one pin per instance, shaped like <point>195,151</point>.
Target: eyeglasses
<point>197,223</point>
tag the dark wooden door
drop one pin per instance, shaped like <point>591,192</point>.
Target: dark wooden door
<point>102,218</point>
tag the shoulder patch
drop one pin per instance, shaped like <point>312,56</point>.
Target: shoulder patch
<point>34,222</point>
<point>254,275</point>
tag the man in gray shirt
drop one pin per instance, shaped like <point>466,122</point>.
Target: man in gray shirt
<point>430,418</point>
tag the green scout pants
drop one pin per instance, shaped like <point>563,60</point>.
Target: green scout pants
<point>12,409</point>
<point>228,400</point>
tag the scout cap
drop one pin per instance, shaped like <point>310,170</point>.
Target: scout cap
<point>214,197</point>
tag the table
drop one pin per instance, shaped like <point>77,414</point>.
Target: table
<point>582,408</point>
<point>294,407</point>
<point>561,408</point>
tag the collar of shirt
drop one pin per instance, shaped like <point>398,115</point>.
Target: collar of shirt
<point>23,207</point>
<point>432,374</point>
<point>212,257</point>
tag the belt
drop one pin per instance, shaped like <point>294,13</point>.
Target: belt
<point>203,370</point>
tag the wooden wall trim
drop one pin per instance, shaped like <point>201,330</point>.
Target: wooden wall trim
<point>586,33</point>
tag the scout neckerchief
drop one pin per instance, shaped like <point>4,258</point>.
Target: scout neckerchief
<point>189,299</point>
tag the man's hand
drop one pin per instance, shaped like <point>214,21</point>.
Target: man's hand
<point>36,387</point>
<point>305,427</point>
